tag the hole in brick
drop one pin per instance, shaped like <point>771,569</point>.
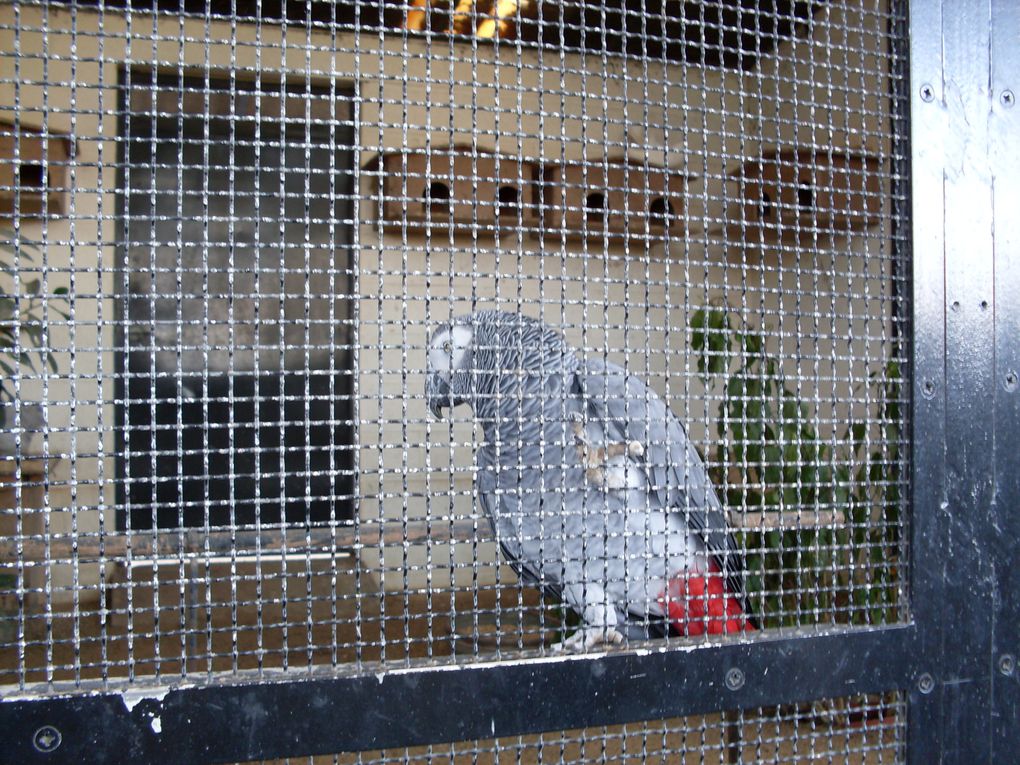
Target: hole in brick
<point>805,198</point>
<point>437,197</point>
<point>32,175</point>
<point>661,212</point>
<point>509,201</point>
<point>595,208</point>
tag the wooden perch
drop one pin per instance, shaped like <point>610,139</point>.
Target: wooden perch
<point>57,548</point>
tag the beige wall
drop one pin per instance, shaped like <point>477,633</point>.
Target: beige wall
<point>714,118</point>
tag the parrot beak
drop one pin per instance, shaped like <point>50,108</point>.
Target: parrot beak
<point>436,407</point>
<point>437,395</point>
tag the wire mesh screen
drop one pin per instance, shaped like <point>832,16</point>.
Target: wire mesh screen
<point>357,334</point>
<point>858,729</point>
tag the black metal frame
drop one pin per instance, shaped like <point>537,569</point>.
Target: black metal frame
<point>264,719</point>
<point>956,656</point>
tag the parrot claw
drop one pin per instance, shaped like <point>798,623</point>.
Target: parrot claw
<point>587,638</point>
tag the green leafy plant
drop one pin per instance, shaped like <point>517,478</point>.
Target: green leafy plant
<point>770,458</point>
<point>23,313</point>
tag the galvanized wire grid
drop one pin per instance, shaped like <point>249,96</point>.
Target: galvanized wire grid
<point>260,222</point>
<point>857,729</point>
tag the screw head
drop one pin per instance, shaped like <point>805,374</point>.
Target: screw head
<point>47,739</point>
<point>735,679</point>
<point>1007,664</point>
<point>1010,381</point>
<point>1007,98</point>
<point>928,389</point>
<point>926,683</point>
<point>927,93</point>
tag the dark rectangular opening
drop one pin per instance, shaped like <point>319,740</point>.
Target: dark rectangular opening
<point>734,34</point>
<point>31,175</point>
<point>235,403</point>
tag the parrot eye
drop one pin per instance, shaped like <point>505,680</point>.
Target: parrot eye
<point>448,346</point>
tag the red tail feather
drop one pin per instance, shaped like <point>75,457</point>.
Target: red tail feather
<point>699,603</point>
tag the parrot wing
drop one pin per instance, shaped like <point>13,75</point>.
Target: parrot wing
<point>500,507</point>
<point>629,410</point>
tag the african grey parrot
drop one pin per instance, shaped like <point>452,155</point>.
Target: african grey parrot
<point>592,488</point>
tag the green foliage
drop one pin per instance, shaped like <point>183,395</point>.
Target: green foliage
<point>24,313</point>
<point>770,458</point>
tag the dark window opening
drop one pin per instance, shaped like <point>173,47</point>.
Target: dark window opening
<point>595,208</point>
<point>508,200</point>
<point>661,212</point>
<point>805,198</point>
<point>236,403</point>
<point>729,33</point>
<point>32,175</point>
<point>436,198</point>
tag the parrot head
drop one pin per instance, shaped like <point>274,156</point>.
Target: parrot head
<point>475,355</point>
<point>448,380</point>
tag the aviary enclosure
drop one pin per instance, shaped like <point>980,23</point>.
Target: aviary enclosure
<point>515,381</point>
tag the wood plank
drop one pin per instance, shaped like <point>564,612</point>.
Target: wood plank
<point>196,543</point>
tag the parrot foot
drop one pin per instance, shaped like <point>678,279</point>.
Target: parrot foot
<point>587,638</point>
<point>577,423</point>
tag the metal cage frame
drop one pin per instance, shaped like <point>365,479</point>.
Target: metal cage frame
<point>955,656</point>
